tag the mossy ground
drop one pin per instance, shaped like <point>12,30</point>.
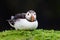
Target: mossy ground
<point>37,34</point>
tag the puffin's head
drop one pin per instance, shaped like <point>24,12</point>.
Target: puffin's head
<point>31,15</point>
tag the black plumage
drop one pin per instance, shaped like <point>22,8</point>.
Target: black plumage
<point>16,17</point>
<point>20,16</point>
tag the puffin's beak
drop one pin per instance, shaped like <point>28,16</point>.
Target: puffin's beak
<point>32,18</point>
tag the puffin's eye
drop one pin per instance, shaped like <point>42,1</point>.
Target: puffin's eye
<point>28,14</point>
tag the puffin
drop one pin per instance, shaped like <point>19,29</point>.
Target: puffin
<point>24,21</point>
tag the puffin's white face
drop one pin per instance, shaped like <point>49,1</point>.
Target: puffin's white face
<point>31,15</point>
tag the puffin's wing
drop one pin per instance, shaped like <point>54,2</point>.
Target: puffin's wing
<point>23,15</point>
<point>17,16</point>
<point>20,16</point>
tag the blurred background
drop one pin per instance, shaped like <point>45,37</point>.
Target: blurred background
<point>48,12</point>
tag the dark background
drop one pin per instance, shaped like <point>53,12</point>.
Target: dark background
<point>48,12</point>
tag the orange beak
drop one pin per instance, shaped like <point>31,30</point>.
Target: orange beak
<point>32,18</point>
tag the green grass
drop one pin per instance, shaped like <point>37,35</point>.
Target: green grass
<point>38,34</point>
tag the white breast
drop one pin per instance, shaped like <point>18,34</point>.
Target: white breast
<point>24,24</point>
